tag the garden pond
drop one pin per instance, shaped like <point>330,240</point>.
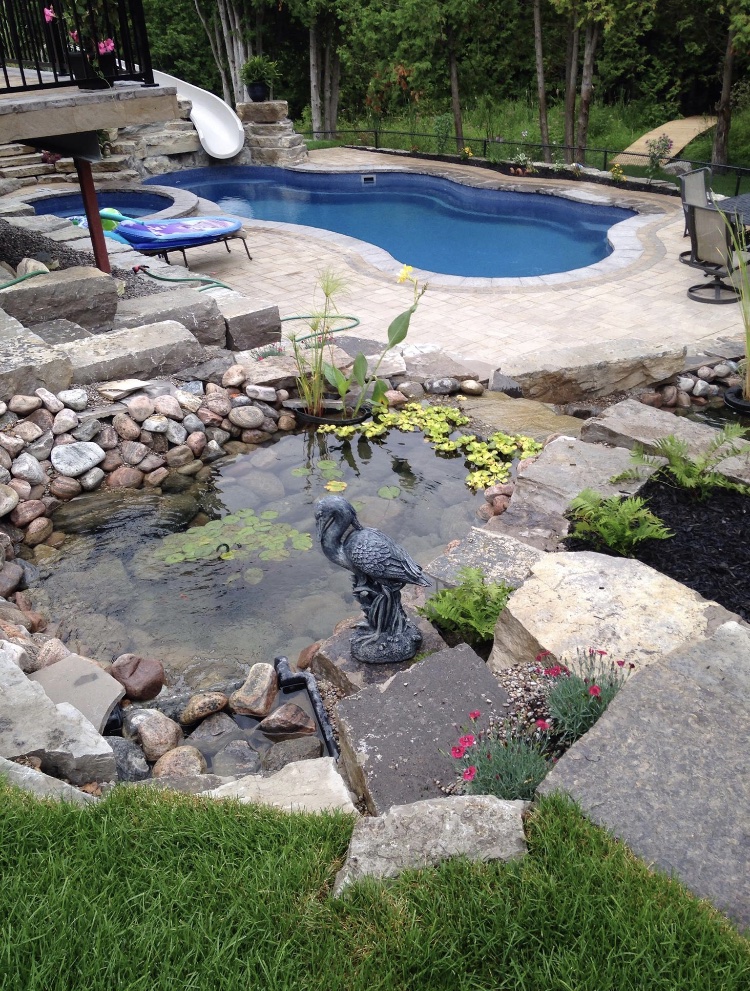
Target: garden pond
<point>219,574</point>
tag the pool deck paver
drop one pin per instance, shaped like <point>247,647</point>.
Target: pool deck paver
<point>645,300</point>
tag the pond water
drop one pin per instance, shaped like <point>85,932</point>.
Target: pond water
<point>251,582</point>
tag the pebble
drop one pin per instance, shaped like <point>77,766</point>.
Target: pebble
<point>470,387</point>
<point>23,405</point>
<point>76,399</point>
<point>442,386</point>
<point>92,479</point>
<point>234,375</point>
<point>126,426</point>
<point>288,719</point>
<point>264,392</point>
<point>176,433</point>
<point>140,408</point>
<point>75,459</point>
<point>168,406</point>
<point>50,401</point>
<point>179,456</point>
<point>38,531</point>
<point>28,431</point>
<point>156,424</point>
<point>141,677</point>
<point>196,442</point>
<point>21,486</point>
<point>155,732</point>
<point>8,499</point>
<point>181,762</point>
<point>29,469</point>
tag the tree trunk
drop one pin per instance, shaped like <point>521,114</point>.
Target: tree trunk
<point>455,94</point>
<point>331,82</point>
<point>571,85</point>
<point>587,89</point>
<point>214,42</point>
<point>541,89</point>
<point>720,149</point>
<point>315,101</point>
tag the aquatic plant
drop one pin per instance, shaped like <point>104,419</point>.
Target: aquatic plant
<point>239,536</point>
<point>490,459</point>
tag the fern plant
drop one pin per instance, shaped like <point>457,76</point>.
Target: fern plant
<point>471,609</point>
<point>697,474</point>
<point>620,524</point>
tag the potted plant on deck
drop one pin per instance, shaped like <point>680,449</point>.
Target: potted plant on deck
<point>89,28</point>
<point>259,74</point>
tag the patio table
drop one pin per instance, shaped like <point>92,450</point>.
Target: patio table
<point>737,207</point>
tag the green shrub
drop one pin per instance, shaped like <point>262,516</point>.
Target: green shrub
<point>578,695</point>
<point>471,609</point>
<point>506,761</point>
<point>620,524</point>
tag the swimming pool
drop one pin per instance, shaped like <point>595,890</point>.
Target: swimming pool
<point>428,222</point>
<point>132,204</point>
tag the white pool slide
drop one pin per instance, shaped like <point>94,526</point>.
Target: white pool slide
<point>218,126</point>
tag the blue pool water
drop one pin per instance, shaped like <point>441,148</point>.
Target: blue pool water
<point>134,204</point>
<point>424,221</point>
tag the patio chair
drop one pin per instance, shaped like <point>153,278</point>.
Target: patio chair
<point>711,250</point>
<point>695,190</point>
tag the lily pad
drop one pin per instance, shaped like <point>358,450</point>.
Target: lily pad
<point>389,492</point>
<point>301,472</point>
<point>335,486</point>
<point>323,465</point>
<point>174,558</point>
<point>269,514</point>
<point>253,576</point>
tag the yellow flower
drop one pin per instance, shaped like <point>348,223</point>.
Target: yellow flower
<point>405,273</point>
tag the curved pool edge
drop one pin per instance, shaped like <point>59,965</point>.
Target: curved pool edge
<point>184,203</point>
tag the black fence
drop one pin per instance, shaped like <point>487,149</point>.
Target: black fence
<point>728,179</point>
<point>46,44</point>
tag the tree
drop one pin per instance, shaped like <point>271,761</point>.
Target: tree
<point>230,26</point>
<point>541,87</point>
<point>738,33</point>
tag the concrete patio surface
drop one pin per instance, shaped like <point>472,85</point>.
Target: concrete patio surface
<point>646,299</point>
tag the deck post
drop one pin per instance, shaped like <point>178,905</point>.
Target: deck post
<point>91,206</point>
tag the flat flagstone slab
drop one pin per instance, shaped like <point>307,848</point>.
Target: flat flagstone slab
<point>392,735</point>
<point>495,411</point>
<point>666,768</point>
<point>42,785</point>
<point>305,786</point>
<point>501,558</point>
<point>549,482</point>
<point>84,684</point>
<point>479,827</point>
<point>584,599</point>
<point>598,369</point>
<point>630,422</point>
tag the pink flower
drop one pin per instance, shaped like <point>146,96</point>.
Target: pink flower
<point>467,741</point>
<point>631,665</point>
<point>543,724</point>
<point>601,653</point>
<point>620,664</point>
<point>554,672</point>
<point>544,653</point>
<point>106,46</point>
<point>458,752</point>
<point>595,690</point>
<point>470,773</point>
<point>74,36</point>
<point>49,14</point>
<point>473,716</point>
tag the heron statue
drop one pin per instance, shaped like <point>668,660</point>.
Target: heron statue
<point>380,570</point>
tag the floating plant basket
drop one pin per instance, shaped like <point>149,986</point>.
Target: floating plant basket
<point>733,399</point>
<point>335,415</point>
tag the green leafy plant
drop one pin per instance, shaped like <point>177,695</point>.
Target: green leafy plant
<point>578,694</point>
<point>443,125</point>
<point>657,150</point>
<point>619,523</point>
<point>506,761</point>
<point>469,610</point>
<point>260,69</point>
<point>671,459</point>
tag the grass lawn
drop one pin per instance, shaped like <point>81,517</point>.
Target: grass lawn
<point>149,891</point>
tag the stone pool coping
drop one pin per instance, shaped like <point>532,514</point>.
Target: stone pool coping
<point>184,203</point>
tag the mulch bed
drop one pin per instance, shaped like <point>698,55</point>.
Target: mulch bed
<point>710,549</point>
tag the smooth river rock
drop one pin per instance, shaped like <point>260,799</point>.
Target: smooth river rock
<point>257,695</point>
<point>76,459</point>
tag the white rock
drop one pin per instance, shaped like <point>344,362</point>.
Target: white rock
<point>176,433</point>
<point>51,402</point>
<point>65,421</point>
<point>76,399</point>
<point>76,459</point>
<point>263,392</point>
<point>28,469</point>
<point>119,389</point>
<point>157,424</point>
<point>306,786</point>
<point>685,383</point>
<point>91,479</point>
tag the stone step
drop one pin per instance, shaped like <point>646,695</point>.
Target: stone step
<point>668,741</point>
<point>12,161</point>
<point>26,171</point>
<point>126,175</point>
<point>112,164</point>
<point>15,149</point>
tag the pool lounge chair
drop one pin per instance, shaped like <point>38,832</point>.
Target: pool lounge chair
<point>711,250</point>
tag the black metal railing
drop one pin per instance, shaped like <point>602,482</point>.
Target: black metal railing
<point>46,44</point>
<point>729,179</point>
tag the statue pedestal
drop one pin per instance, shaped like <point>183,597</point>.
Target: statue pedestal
<point>387,648</point>
<point>333,660</point>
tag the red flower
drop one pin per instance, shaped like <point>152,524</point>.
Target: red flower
<point>601,653</point>
<point>543,724</point>
<point>631,665</point>
<point>544,653</point>
<point>458,752</point>
<point>467,741</point>
<point>620,664</point>
<point>473,716</point>
<point>554,672</point>
<point>470,773</point>
<point>595,690</point>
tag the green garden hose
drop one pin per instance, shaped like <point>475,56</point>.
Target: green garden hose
<point>20,278</point>
<point>210,283</point>
<point>330,330</point>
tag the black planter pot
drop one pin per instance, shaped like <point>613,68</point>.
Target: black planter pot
<point>85,73</point>
<point>337,417</point>
<point>258,91</point>
<point>733,399</point>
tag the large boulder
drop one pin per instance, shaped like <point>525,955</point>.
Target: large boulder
<point>196,311</point>
<point>84,296</point>
<point>665,768</point>
<point>308,786</point>
<point>478,827</point>
<point>160,348</point>
<point>579,600</point>
<point>32,725</point>
<point>82,683</point>
<point>249,324</point>
<point>581,372</point>
<point>27,361</point>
